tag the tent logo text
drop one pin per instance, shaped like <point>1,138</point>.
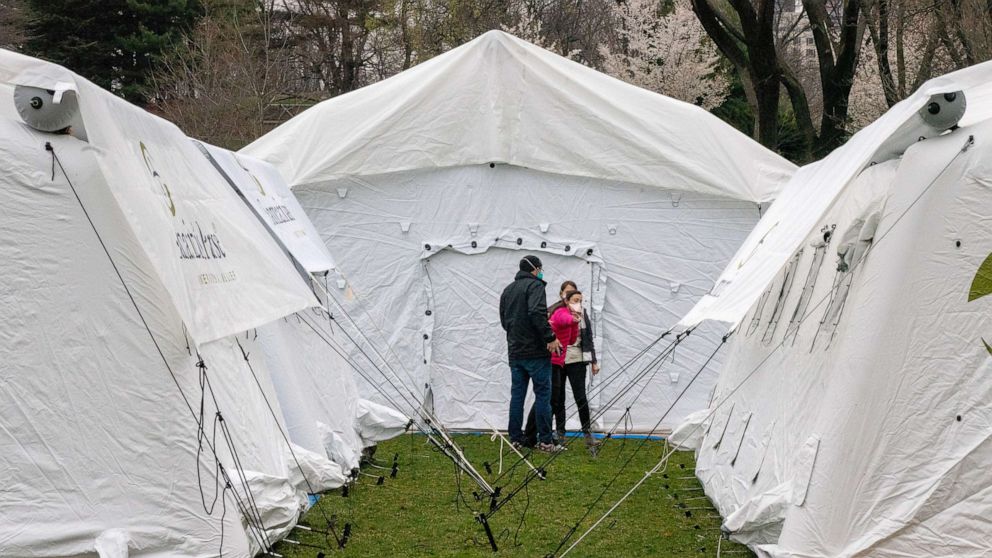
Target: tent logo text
<point>280,214</point>
<point>194,244</point>
<point>982,286</point>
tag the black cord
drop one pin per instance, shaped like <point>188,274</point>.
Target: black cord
<point>864,257</point>
<point>141,316</point>
<point>282,431</point>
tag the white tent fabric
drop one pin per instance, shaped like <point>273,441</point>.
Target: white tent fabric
<point>99,447</point>
<point>639,198</point>
<point>378,422</point>
<point>852,417</point>
<point>107,415</point>
<point>498,99</point>
<point>315,386</point>
<point>205,246</point>
<point>264,188</point>
<point>815,189</point>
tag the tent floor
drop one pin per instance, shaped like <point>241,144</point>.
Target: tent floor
<point>419,513</point>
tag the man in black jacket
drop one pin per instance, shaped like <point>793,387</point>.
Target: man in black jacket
<point>523,312</point>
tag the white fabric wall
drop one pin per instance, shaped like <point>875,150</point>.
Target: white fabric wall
<point>315,386</point>
<point>870,441</point>
<point>96,439</point>
<point>667,247</point>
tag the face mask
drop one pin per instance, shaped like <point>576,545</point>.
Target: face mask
<point>576,306</point>
<point>540,274</point>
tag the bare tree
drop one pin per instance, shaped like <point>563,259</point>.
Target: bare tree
<point>964,28</point>
<point>747,33</point>
<point>223,82</point>
<point>744,31</point>
<point>12,24</point>
<point>667,52</point>
<point>905,35</point>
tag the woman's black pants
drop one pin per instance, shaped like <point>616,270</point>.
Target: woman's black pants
<point>575,374</point>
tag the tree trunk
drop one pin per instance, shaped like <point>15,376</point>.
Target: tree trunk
<point>800,108</point>
<point>751,49</point>
<point>838,64</point>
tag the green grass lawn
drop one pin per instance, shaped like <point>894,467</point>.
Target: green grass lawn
<point>419,512</point>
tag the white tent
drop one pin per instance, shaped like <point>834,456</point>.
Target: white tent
<point>429,186</point>
<point>127,262</point>
<point>852,417</point>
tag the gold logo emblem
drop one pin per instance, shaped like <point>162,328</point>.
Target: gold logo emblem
<point>258,182</point>
<point>150,164</point>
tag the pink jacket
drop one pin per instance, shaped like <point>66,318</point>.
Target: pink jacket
<point>566,330</point>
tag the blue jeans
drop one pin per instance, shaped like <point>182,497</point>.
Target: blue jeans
<point>538,371</point>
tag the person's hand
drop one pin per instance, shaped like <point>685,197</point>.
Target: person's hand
<point>576,317</point>
<point>554,347</point>
<point>595,368</point>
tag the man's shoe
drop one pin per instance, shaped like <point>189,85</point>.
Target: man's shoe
<point>549,448</point>
<point>591,442</point>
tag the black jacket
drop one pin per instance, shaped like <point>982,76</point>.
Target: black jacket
<point>523,311</point>
<point>586,341</point>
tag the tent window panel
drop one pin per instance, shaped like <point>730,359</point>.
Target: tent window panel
<point>852,250</point>
<point>824,330</point>
<point>807,294</point>
<point>758,311</point>
<point>799,314</point>
<point>788,279</point>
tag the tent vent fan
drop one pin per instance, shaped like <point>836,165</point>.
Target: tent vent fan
<point>44,109</point>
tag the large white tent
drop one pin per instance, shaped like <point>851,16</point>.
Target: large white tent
<point>852,415</point>
<point>143,302</point>
<point>429,186</point>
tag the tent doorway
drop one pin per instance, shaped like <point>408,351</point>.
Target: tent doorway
<point>468,372</point>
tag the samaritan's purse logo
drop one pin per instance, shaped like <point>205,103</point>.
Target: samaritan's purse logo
<point>982,286</point>
<point>258,182</point>
<point>194,242</point>
<point>158,178</point>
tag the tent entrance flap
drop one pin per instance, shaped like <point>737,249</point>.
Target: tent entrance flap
<point>465,345</point>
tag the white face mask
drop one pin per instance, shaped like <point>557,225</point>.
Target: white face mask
<point>575,306</point>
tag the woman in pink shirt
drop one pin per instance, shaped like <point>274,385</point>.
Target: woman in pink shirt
<point>564,322</point>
